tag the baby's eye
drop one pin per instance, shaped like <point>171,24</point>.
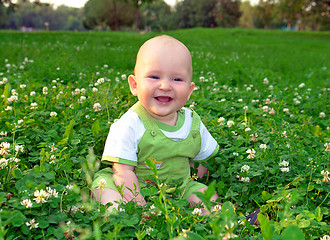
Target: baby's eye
<point>177,79</point>
<point>153,77</point>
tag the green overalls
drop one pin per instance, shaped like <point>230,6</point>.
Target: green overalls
<point>171,157</point>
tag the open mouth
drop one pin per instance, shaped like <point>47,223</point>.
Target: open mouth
<point>163,99</point>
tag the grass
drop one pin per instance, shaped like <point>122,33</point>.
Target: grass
<point>274,86</point>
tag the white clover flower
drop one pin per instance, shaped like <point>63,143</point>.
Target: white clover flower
<point>217,208</point>
<point>247,129</point>
<point>69,186</point>
<point>221,120</point>
<point>32,93</point>
<point>296,101</point>
<point>52,158</point>
<point>5,145</point>
<point>13,159</point>
<point>27,203</point>
<point>97,107</point>
<point>266,81</point>
<point>87,117</point>
<point>301,85</point>
<point>285,169</point>
<point>95,89</point>
<point>271,87</point>
<point>263,146</point>
<point>19,148</point>
<point>265,108</point>
<point>201,79</point>
<point>9,108</point>
<point>34,105</point>
<point>51,192</point>
<point>123,77</point>
<point>149,230</point>
<point>53,114</point>
<point>325,176</point>
<point>325,237</point>
<point>82,98</point>
<point>245,179</point>
<point>45,90</point>
<point>240,100</point>
<point>3,163</point>
<point>251,153</point>
<point>197,212</point>
<point>272,111</point>
<point>40,196</point>
<point>230,123</point>
<point>100,81</point>
<point>83,91</point>
<point>245,168</point>
<point>77,91</point>
<point>12,98</point>
<point>4,80</point>
<point>22,86</point>
<point>235,154</point>
<point>248,89</point>
<point>245,108</point>
<point>102,183</point>
<point>32,224</point>
<point>327,147</point>
<point>284,163</point>
<point>3,133</point>
<point>286,110</point>
<point>322,115</point>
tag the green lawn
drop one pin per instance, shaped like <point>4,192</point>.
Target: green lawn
<point>274,86</point>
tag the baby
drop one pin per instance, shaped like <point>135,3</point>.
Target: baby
<point>158,126</point>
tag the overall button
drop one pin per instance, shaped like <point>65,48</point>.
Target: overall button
<point>153,133</point>
<point>195,134</point>
<point>192,114</point>
<point>181,110</point>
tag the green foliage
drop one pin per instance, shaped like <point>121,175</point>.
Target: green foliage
<point>62,91</point>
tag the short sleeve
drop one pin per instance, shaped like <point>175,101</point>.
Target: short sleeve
<point>122,141</point>
<point>209,146</point>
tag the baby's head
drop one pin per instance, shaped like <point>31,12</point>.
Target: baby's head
<point>173,48</point>
<point>162,78</point>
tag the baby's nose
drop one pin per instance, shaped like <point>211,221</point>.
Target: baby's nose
<point>165,84</point>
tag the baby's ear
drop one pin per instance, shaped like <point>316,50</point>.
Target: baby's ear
<point>132,84</point>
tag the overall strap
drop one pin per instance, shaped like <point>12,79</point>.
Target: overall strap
<point>145,117</point>
<point>196,122</point>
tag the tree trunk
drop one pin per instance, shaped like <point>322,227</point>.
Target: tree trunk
<point>137,19</point>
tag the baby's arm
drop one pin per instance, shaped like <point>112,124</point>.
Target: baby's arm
<point>123,174</point>
<point>201,170</point>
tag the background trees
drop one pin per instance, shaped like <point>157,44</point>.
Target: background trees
<point>156,15</point>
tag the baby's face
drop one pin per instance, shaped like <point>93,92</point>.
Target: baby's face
<point>162,80</point>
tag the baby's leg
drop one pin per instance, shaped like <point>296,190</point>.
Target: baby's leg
<point>107,195</point>
<point>193,200</point>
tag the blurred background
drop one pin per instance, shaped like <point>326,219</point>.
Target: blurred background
<point>160,15</point>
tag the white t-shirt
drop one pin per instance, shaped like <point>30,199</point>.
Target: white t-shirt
<point>125,134</point>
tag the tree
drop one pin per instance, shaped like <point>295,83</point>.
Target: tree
<point>228,13</point>
<point>157,16</point>
<point>246,20</point>
<point>196,13</point>
<point>111,13</point>
<point>290,11</point>
<point>137,5</point>
<point>264,13</point>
